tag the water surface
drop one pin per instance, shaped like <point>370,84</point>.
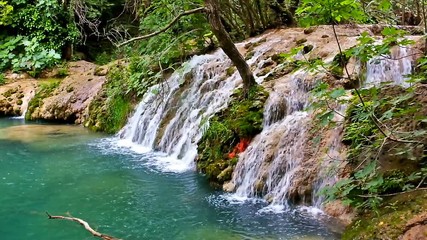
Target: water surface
<point>67,170</point>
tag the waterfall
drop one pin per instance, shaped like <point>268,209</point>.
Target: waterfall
<point>389,69</point>
<point>25,102</point>
<point>275,167</point>
<point>278,164</point>
<point>268,166</point>
<point>168,118</point>
<point>392,69</point>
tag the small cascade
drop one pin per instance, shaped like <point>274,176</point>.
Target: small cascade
<point>169,116</point>
<point>25,102</point>
<point>267,167</point>
<point>271,165</point>
<point>390,69</point>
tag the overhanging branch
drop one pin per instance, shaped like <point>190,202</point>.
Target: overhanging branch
<point>186,13</point>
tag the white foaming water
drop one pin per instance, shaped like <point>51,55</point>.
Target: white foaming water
<point>389,69</point>
<point>168,118</point>
<point>24,106</point>
<point>267,167</point>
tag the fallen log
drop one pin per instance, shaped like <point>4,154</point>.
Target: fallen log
<point>85,225</point>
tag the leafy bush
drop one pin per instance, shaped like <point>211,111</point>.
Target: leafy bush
<point>2,79</point>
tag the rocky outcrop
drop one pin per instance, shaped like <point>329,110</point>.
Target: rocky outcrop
<point>51,97</point>
<point>69,100</point>
<point>15,94</point>
<point>416,228</point>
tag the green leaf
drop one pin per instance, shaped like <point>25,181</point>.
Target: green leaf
<point>339,92</point>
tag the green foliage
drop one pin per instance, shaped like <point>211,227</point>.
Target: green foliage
<point>383,125</point>
<point>367,47</point>
<point>2,79</point>
<point>33,34</point>
<point>241,121</point>
<point>323,95</point>
<point>144,72</point>
<point>329,12</point>
<point>109,111</point>
<point>5,13</point>
<point>21,53</point>
<point>186,37</point>
<point>396,109</point>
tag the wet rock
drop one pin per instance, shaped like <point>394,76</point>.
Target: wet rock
<point>338,210</point>
<point>228,187</point>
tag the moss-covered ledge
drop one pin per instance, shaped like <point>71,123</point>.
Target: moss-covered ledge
<point>229,133</point>
<point>110,109</point>
<point>393,220</point>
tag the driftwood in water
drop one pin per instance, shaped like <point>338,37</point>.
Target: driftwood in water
<point>85,225</point>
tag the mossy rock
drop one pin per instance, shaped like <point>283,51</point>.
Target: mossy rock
<point>249,55</point>
<point>301,41</point>
<point>45,90</point>
<point>241,120</point>
<point>389,221</point>
<point>109,110</point>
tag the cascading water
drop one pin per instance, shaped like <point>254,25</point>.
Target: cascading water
<point>267,167</point>
<point>390,69</point>
<point>273,159</point>
<point>169,116</point>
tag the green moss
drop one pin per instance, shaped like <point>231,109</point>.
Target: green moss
<point>62,72</point>
<point>249,55</point>
<point>390,220</point>
<point>45,90</point>
<point>230,71</point>
<point>109,111</point>
<point>301,41</point>
<point>241,121</point>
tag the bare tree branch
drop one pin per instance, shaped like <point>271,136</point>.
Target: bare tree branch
<point>85,225</point>
<point>189,12</point>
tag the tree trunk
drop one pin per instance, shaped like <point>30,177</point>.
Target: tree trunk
<point>227,45</point>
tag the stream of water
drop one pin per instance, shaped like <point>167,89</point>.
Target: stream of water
<point>69,170</point>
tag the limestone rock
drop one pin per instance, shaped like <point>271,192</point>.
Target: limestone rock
<point>70,100</point>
